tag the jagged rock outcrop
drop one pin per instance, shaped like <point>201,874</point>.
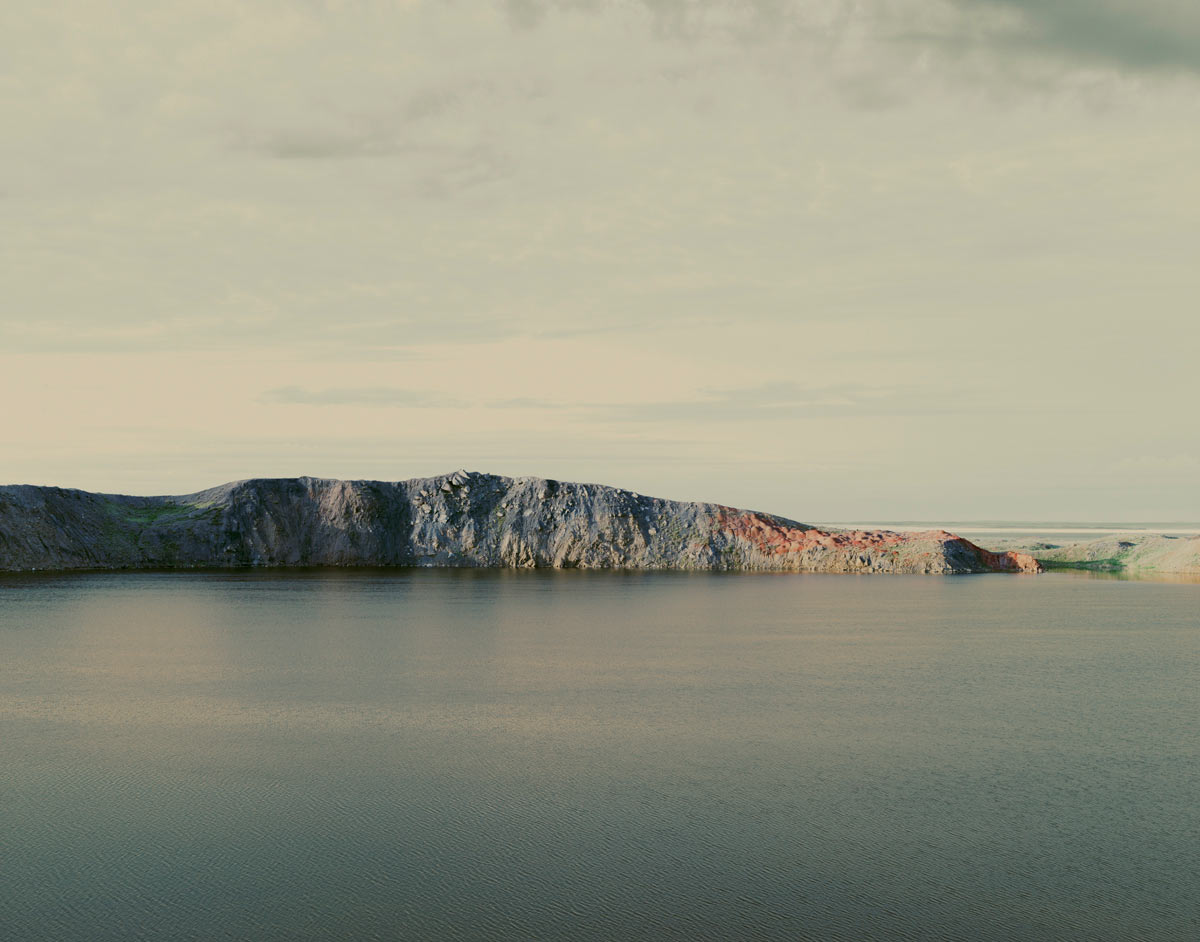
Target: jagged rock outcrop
<point>462,519</point>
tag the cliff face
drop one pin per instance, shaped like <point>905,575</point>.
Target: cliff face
<point>462,519</point>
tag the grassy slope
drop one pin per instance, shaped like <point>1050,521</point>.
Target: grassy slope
<point>1152,553</point>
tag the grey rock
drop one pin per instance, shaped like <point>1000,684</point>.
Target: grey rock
<point>496,522</point>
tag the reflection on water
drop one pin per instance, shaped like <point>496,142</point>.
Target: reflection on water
<point>1132,575</point>
<point>468,755</point>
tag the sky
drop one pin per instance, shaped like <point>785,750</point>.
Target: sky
<point>838,260</point>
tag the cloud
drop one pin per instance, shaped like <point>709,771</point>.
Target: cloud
<point>525,14</point>
<point>387,396</point>
<point>865,38</point>
<point>770,401</point>
<point>1184,467</point>
<point>318,144</point>
<point>386,121</point>
<point>1131,34</point>
<point>783,400</point>
<point>698,19</point>
<point>526,402</point>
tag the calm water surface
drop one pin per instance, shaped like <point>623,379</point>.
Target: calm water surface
<point>441,755</point>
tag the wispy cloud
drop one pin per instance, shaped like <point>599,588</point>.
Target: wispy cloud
<point>526,402</point>
<point>785,401</point>
<point>770,401</point>
<point>865,37</point>
<point>359,396</point>
<point>1153,467</point>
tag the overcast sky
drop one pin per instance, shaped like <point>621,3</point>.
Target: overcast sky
<point>880,259</point>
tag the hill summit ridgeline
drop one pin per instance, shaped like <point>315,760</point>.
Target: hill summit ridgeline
<point>464,519</point>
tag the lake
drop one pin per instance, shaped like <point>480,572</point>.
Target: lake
<point>572,755</point>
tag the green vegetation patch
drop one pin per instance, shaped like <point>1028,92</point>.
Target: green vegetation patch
<point>1093,565</point>
<point>148,515</point>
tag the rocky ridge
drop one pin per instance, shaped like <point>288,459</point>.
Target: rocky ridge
<point>464,519</point>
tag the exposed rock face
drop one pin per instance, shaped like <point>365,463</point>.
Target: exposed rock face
<point>1011,561</point>
<point>462,519</point>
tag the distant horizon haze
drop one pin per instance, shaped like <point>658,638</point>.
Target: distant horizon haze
<point>1082,525</point>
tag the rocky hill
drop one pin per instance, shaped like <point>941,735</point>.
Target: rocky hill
<point>1144,554</point>
<point>462,519</point>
